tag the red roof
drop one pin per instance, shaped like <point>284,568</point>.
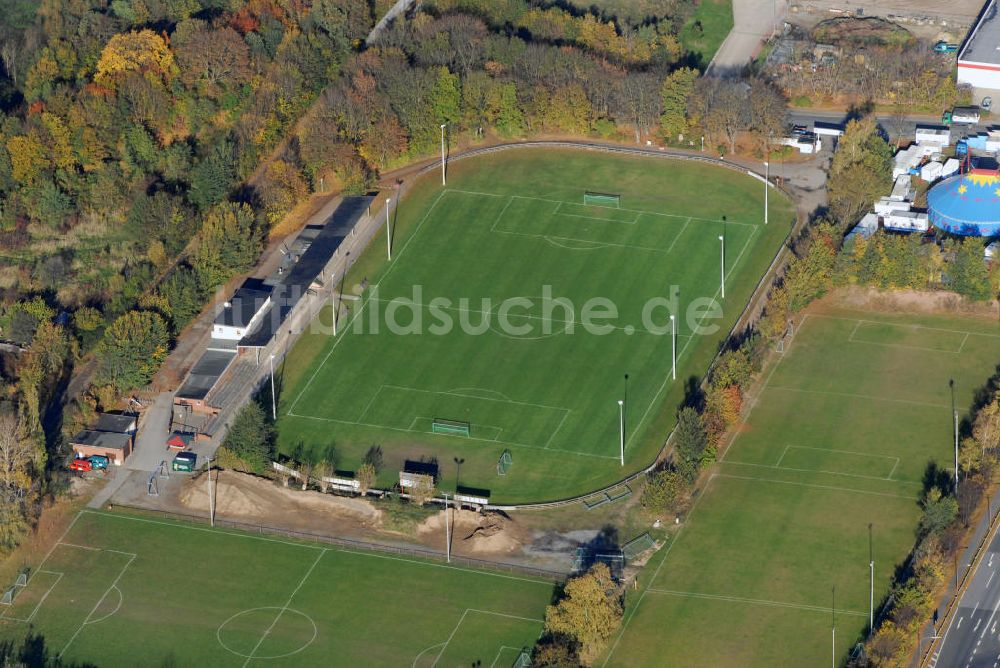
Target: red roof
<point>180,441</point>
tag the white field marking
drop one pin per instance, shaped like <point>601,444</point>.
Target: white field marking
<point>891,472</point>
<point>114,584</point>
<point>80,547</point>
<point>976,627</point>
<point>807,484</point>
<point>896,324</point>
<point>752,405</point>
<point>512,444</point>
<point>619,208</point>
<point>962,345</point>
<point>959,622</point>
<point>281,612</point>
<point>680,353</point>
<point>755,601</point>
<point>895,460</point>
<point>500,215</point>
<point>549,237</point>
<point>472,396</point>
<point>905,346</point>
<point>469,390</point>
<point>556,430</point>
<point>313,546</point>
<point>656,572</point>
<point>528,316</point>
<point>823,471</point>
<point>557,212</point>
<point>500,653</point>
<point>417,659</point>
<point>55,545</point>
<point>218,632</point>
<point>858,396</point>
<point>683,227</point>
<point>121,599</point>
<point>594,245</point>
<point>854,331</point>
<point>364,303</point>
<point>489,428</point>
<point>482,612</point>
<point>38,606</point>
<point>784,452</point>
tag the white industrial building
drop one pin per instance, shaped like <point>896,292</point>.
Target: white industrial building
<point>979,59</point>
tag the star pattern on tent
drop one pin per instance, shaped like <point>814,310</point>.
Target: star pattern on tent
<point>962,189</point>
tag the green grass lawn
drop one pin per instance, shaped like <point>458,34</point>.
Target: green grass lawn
<point>527,375</point>
<point>847,423</point>
<point>125,590</point>
<point>706,29</point>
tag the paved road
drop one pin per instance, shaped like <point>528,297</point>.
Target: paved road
<point>972,639</point>
<point>753,24</point>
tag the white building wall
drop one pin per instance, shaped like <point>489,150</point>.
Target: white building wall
<point>978,77</point>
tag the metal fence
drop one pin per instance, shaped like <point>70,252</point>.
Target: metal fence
<point>350,544</point>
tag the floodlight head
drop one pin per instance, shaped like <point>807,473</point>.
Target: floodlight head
<point>765,163</point>
<point>671,317</point>
<point>621,402</point>
<point>721,238</point>
<point>388,199</point>
<point>444,125</point>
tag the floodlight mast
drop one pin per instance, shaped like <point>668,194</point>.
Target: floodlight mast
<point>673,347</point>
<point>766,186</point>
<point>447,528</point>
<point>211,501</point>
<point>388,230</point>
<point>722,267</point>
<point>443,181</point>
<point>621,430</point>
<point>274,406</point>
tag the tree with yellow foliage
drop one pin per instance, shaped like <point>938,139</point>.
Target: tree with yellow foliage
<point>137,51</point>
<point>590,611</point>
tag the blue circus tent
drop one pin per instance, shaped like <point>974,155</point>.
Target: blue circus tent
<point>967,204</point>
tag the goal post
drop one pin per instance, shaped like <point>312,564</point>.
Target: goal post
<point>453,427</point>
<point>503,464</point>
<point>601,199</point>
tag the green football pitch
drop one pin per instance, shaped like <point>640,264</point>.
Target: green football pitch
<point>121,590</point>
<point>513,259</point>
<point>847,423</point>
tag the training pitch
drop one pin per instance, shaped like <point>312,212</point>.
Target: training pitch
<point>848,422</point>
<point>512,257</point>
<point>121,590</point>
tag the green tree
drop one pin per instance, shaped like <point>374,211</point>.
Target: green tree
<point>132,350</point>
<point>690,442</point>
<point>861,170</point>
<point>184,295</point>
<point>231,241</point>
<point>677,90</point>
<point>446,97</point>
<point>590,611</point>
<point>662,490</point>
<point>967,272</point>
<point>939,512</point>
<point>251,438</point>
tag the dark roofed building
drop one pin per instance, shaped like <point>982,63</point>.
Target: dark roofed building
<point>243,311</point>
<point>116,447</point>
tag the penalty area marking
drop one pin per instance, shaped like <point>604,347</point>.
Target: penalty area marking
<point>114,585</point>
<point>444,646</point>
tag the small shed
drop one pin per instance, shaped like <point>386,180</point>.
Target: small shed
<point>89,442</point>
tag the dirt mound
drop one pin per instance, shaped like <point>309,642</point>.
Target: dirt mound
<point>475,533</point>
<point>870,31</point>
<point>246,497</point>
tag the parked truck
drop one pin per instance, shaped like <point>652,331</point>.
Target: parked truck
<point>961,115</point>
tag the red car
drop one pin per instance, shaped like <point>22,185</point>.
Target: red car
<point>81,465</point>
